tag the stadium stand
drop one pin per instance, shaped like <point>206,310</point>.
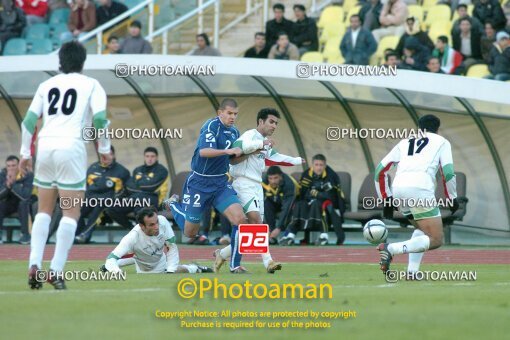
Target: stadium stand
<point>331,14</point>
<point>39,46</point>
<point>332,48</point>
<point>15,46</point>
<point>312,57</point>
<point>367,190</point>
<point>59,16</point>
<point>354,10</point>
<point>437,13</point>
<point>478,71</point>
<point>388,42</point>
<point>37,31</point>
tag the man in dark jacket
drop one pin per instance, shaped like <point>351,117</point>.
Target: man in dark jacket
<point>260,49</point>
<point>278,25</point>
<point>415,55</point>
<point>279,195</point>
<point>499,58</point>
<point>486,10</point>
<point>104,180</point>
<point>148,182</point>
<point>413,30</point>
<point>304,34</point>
<point>321,203</point>
<point>135,43</point>
<point>369,14</point>
<point>467,42</point>
<point>12,22</point>
<point>15,193</point>
<point>108,10</point>
<point>358,43</point>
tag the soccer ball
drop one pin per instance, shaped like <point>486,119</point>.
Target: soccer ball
<point>375,231</point>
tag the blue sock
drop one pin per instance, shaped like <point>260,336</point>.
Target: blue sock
<point>178,213</point>
<point>235,258</point>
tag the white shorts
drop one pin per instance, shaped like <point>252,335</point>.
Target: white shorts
<point>421,203</point>
<point>250,195</point>
<point>60,163</point>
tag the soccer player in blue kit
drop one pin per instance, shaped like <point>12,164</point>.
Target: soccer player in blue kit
<point>208,183</point>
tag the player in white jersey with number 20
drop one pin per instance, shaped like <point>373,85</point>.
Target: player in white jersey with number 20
<point>417,160</point>
<point>67,103</point>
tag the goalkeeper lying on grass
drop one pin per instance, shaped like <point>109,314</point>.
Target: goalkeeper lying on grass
<point>152,243</point>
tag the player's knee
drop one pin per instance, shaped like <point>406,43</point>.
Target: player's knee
<point>436,240</point>
<point>239,219</point>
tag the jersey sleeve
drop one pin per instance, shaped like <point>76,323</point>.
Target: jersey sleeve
<point>447,171</point>
<point>247,143</point>
<point>275,158</point>
<point>98,108</point>
<point>29,123</point>
<point>126,246</point>
<point>381,172</point>
<point>207,139</point>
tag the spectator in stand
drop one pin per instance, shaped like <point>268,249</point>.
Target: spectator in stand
<point>135,43</point>
<point>204,47</point>
<point>415,55</point>
<point>499,59</point>
<point>277,25</point>
<point>358,43</point>
<point>448,57</point>
<point>462,11</point>
<point>369,14</point>
<point>467,42</point>
<point>433,65</point>
<point>12,22</point>
<point>487,41</point>
<point>112,46</point>
<point>412,28</point>
<point>108,10</point>
<point>490,10</point>
<point>391,59</point>
<point>304,33</point>
<point>81,20</point>
<point>35,10</point>
<point>392,19</point>
<point>260,49</point>
<point>284,49</point>
<point>56,4</point>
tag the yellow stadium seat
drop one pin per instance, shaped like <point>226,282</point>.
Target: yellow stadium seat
<point>332,30</point>
<point>338,60</point>
<point>352,11</point>
<point>312,57</point>
<point>478,71</point>
<point>332,48</point>
<point>470,12</point>
<point>428,3</point>
<point>437,13</point>
<point>348,4</point>
<point>390,41</point>
<point>417,12</point>
<point>439,28</point>
<point>331,14</point>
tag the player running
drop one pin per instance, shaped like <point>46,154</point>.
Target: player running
<point>418,162</point>
<point>66,103</point>
<point>247,173</point>
<point>207,183</point>
<point>147,242</point>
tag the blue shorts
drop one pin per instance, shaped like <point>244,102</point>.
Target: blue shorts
<point>201,192</point>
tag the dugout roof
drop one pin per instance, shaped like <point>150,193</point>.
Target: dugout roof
<point>474,113</point>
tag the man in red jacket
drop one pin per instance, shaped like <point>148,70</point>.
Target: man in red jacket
<point>35,10</point>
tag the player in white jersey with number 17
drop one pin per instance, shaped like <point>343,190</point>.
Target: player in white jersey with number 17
<point>247,173</point>
<point>417,160</point>
<point>67,103</point>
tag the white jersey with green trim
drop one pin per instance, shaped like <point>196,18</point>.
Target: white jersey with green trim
<point>418,161</point>
<point>67,103</point>
<point>148,250</point>
<point>253,167</point>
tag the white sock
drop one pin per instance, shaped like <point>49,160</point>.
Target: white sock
<point>324,235</point>
<point>226,252</point>
<point>415,258</point>
<point>266,258</point>
<point>192,268</point>
<point>291,235</point>
<point>65,239</point>
<point>40,230</point>
<point>126,262</point>
<point>415,245</point>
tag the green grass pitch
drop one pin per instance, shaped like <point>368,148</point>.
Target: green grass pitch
<point>126,309</point>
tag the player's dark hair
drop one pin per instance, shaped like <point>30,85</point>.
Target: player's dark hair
<point>266,112</point>
<point>355,16</point>
<point>112,37</point>
<point>71,57</point>
<point>145,212</point>
<point>274,170</point>
<point>319,157</point>
<point>429,123</point>
<point>261,34</point>
<point>279,6</point>
<point>12,158</point>
<point>390,54</point>
<point>430,58</point>
<point>300,7</point>
<point>206,38</point>
<point>443,38</point>
<point>150,149</point>
<point>228,102</point>
<point>465,19</point>
<point>282,33</point>
<point>462,6</point>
